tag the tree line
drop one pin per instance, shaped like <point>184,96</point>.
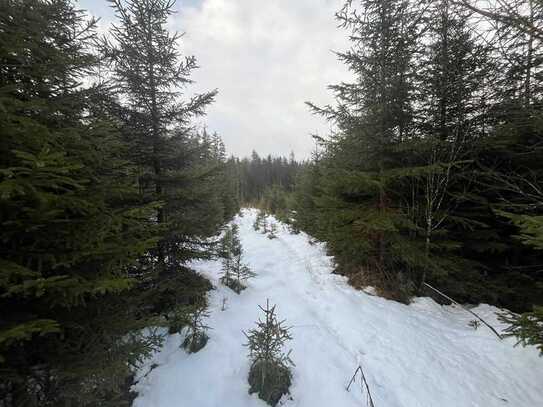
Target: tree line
<point>434,172</point>
<point>257,175</point>
<point>107,190</point>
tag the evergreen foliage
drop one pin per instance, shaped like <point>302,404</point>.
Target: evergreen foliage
<point>258,176</point>
<point>272,232</point>
<point>105,191</point>
<point>72,222</point>
<point>259,220</point>
<point>235,272</point>
<point>277,201</point>
<point>177,167</point>
<point>528,327</point>
<point>270,374</point>
<point>196,337</point>
<point>268,183</point>
<point>432,172</point>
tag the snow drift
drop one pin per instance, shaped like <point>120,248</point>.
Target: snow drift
<point>418,355</point>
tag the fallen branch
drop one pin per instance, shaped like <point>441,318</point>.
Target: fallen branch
<point>465,308</point>
<point>363,383</point>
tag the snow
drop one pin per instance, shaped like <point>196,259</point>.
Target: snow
<point>415,355</point>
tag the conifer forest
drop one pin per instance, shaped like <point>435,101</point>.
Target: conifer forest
<point>162,248</point>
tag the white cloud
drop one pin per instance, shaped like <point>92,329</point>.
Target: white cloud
<point>266,58</point>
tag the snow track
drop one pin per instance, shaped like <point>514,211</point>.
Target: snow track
<point>418,355</point>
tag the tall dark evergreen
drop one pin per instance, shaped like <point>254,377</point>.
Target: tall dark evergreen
<point>362,163</point>
<point>508,173</point>
<point>105,191</point>
<point>151,74</point>
<point>72,222</point>
<point>432,174</point>
<point>450,113</point>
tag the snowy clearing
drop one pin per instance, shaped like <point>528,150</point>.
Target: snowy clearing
<point>423,354</point>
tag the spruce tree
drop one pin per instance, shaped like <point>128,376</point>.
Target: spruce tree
<point>259,220</point>
<point>72,223</point>
<point>506,196</point>
<point>362,163</point>
<point>235,272</point>
<point>227,243</point>
<point>451,82</point>
<point>179,166</point>
<point>196,337</point>
<point>151,75</point>
<point>270,375</point>
<point>273,231</point>
<point>433,172</point>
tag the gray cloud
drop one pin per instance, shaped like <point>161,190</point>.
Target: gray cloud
<point>266,58</point>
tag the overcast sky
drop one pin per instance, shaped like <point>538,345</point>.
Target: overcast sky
<point>266,58</point>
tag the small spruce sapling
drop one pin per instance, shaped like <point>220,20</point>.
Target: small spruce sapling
<point>474,324</point>
<point>225,246</point>
<point>293,227</point>
<point>197,336</point>
<point>235,272</point>
<point>241,273</point>
<point>176,319</point>
<point>270,374</point>
<point>259,221</point>
<point>226,252</point>
<point>272,231</point>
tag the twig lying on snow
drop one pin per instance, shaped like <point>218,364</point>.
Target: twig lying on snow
<point>363,383</point>
<point>465,308</point>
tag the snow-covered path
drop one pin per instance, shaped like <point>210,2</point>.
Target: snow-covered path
<point>417,355</point>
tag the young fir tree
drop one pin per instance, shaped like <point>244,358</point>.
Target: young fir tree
<point>307,189</point>
<point>72,223</point>
<point>225,251</point>
<point>259,220</point>
<point>272,234</point>
<point>235,272</point>
<point>270,374</point>
<point>200,198</point>
<point>197,336</point>
<point>265,224</point>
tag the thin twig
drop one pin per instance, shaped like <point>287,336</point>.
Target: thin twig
<point>363,383</point>
<point>465,308</point>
